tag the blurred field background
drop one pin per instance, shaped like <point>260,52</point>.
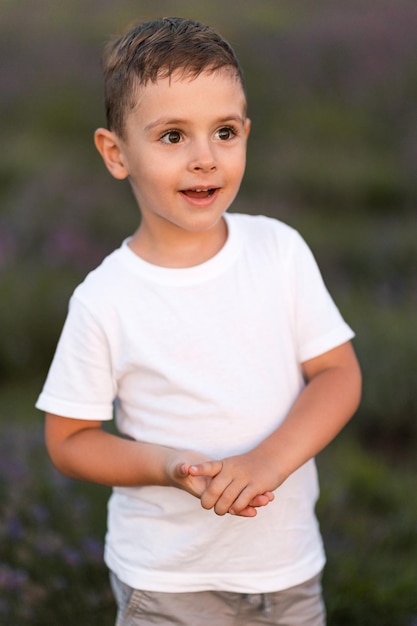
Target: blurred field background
<point>332,91</point>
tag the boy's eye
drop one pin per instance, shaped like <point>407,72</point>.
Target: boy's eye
<point>172,136</point>
<point>225,133</point>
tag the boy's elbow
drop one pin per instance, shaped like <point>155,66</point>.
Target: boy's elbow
<point>57,453</point>
<point>61,442</point>
<point>356,383</point>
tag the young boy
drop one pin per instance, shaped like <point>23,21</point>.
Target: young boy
<point>214,337</point>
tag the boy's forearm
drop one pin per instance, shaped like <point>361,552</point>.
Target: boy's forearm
<point>320,412</point>
<point>95,455</point>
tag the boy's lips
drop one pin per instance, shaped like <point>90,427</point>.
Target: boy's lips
<point>199,193</point>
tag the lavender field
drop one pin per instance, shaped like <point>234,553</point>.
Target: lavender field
<point>51,569</point>
<point>332,90</point>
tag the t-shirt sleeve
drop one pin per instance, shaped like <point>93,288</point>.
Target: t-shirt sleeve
<point>318,323</point>
<point>80,383</point>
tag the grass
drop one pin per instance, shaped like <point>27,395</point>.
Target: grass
<point>52,529</point>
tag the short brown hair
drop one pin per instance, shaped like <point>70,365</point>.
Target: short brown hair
<point>156,49</point>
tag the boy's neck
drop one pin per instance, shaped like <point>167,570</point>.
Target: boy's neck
<point>185,249</point>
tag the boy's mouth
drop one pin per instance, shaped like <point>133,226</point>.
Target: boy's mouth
<point>199,193</point>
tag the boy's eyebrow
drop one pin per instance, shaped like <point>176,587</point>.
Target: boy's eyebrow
<point>167,121</point>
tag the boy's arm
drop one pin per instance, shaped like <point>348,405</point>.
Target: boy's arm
<point>82,450</point>
<point>325,405</point>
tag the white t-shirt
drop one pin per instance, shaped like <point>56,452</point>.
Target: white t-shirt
<point>205,358</point>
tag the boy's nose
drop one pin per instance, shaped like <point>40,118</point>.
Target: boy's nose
<point>202,158</point>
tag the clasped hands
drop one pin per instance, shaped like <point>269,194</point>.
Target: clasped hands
<point>237,485</point>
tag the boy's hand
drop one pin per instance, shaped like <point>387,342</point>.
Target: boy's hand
<point>194,473</point>
<point>237,484</point>
<point>177,473</point>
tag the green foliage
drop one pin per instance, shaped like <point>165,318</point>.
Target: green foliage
<point>326,153</point>
<point>369,525</point>
<point>388,352</point>
<point>33,306</point>
<point>51,556</point>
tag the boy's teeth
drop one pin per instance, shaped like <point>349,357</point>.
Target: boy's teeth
<point>198,191</point>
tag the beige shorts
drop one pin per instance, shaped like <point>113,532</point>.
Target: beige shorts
<point>301,605</point>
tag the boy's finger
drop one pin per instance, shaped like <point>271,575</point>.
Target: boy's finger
<point>245,499</point>
<point>208,468</point>
<point>261,500</point>
<point>249,511</point>
<point>182,470</point>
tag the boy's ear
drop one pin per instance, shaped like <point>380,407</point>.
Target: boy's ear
<point>247,127</point>
<point>107,143</point>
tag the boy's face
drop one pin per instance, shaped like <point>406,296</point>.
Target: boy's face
<point>184,150</point>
